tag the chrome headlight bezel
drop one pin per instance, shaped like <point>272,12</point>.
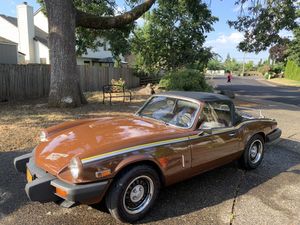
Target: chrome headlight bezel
<point>75,167</point>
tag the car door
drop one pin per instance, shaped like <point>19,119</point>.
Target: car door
<point>216,141</point>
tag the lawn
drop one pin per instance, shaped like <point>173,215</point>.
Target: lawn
<point>21,122</point>
<point>285,81</point>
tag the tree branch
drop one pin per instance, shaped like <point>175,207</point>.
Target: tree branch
<point>88,20</point>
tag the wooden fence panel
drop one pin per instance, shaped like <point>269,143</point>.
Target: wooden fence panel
<point>33,80</point>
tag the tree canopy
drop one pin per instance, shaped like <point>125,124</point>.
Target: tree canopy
<point>261,21</point>
<point>279,52</point>
<point>173,35</point>
<point>294,47</point>
<point>87,38</point>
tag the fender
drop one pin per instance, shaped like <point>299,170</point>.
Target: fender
<point>138,158</point>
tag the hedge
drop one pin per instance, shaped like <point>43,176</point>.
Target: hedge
<point>292,71</point>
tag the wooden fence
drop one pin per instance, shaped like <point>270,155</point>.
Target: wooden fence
<point>33,81</point>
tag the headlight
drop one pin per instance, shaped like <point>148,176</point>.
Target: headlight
<point>75,167</point>
<point>43,136</point>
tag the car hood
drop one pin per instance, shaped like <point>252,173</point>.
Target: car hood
<point>86,138</point>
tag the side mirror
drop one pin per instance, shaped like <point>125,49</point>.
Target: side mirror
<point>205,131</point>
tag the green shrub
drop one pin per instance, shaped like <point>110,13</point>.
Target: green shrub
<point>292,71</point>
<point>277,68</point>
<point>185,80</point>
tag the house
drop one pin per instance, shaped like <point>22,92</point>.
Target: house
<point>28,32</point>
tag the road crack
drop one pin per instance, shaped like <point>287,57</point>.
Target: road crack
<point>236,194</point>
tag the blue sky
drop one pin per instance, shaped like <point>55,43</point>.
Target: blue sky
<point>223,40</point>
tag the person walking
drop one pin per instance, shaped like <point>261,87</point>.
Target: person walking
<point>229,76</point>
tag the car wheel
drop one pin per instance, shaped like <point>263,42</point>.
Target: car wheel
<point>254,152</point>
<point>133,193</point>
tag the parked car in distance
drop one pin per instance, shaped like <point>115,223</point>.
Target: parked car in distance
<point>125,161</point>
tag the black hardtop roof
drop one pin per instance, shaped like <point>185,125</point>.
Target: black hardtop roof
<point>200,96</point>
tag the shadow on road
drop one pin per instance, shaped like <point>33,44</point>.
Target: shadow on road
<point>219,185</point>
<point>196,194</point>
<point>12,183</point>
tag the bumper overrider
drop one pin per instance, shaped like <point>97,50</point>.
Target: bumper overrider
<point>274,135</point>
<point>44,187</point>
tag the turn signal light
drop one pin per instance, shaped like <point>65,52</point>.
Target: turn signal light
<point>28,176</point>
<point>103,173</point>
<point>61,192</point>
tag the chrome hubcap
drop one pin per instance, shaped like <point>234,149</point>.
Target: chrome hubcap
<point>255,151</point>
<point>138,194</point>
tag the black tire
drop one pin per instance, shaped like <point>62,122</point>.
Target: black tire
<point>142,179</point>
<point>251,160</point>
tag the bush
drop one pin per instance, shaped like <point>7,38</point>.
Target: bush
<point>292,71</point>
<point>277,68</point>
<point>185,80</point>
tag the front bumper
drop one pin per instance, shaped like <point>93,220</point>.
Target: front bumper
<point>43,187</point>
<point>274,135</point>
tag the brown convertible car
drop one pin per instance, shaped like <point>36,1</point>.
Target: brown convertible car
<point>126,160</point>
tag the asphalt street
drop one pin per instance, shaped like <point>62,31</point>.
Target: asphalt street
<point>260,89</point>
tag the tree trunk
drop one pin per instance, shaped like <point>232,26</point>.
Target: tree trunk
<point>65,88</point>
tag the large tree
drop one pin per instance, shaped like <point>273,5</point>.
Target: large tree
<point>262,20</point>
<point>294,47</point>
<point>173,35</point>
<point>64,16</point>
<point>279,52</point>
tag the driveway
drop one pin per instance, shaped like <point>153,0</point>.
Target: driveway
<point>227,195</point>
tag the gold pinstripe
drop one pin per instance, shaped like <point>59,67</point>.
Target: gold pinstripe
<point>158,143</point>
<point>137,147</point>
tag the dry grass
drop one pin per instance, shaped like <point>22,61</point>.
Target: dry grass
<point>21,122</point>
<point>284,81</point>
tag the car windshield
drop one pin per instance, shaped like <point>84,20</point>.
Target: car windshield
<point>177,112</point>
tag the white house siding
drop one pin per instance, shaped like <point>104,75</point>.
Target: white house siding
<point>41,21</point>
<point>8,31</point>
<point>26,32</point>
<point>41,53</point>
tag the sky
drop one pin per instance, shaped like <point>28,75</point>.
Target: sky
<point>223,39</point>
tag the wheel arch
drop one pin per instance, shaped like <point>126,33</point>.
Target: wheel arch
<point>123,168</point>
<point>246,140</point>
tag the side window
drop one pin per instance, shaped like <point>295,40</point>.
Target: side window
<point>215,115</point>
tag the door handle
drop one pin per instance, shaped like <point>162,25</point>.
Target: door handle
<point>232,134</point>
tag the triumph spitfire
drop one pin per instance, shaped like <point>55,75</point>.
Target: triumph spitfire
<point>126,160</point>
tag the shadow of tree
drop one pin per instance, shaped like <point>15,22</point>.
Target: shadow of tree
<point>199,193</point>
<point>12,183</point>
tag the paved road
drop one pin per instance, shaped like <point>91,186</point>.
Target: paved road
<point>260,89</point>
<point>227,195</point>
